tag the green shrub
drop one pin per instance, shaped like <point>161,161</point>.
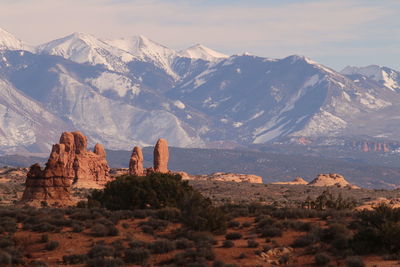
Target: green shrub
<point>233,236</point>
<point>101,251</point>
<point>252,243</point>
<point>169,214</point>
<point>5,258</point>
<point>304,241</point>
<point>271,232</point>
<point>377,230</point>
<point>160,191</point>
<point>99,230</point>
<point>44,238</point>
<point>184,243</point>
<point>228,244</point>
<point>322,259</point>
<point>105,263</point>
<point>75,259</point>
<point>136,255</point>
<point>233,224</point>
<point>162,246</point>
<point>354,262</point>
<point>51,245</point>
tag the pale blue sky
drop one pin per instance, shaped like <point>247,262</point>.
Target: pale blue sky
<point>335,33</point>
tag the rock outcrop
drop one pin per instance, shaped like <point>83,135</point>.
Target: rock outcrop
<point>161,156</point>
<point>224,177</point>
<point>136,162</point>
<point>53,190</point>
<point>331,179</point>
<point>70,165</point>
<point>296,181</point>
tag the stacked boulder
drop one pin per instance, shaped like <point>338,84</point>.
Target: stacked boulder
<point>70,165</point>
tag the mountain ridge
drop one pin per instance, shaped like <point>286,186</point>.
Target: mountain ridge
<point>134,90</point>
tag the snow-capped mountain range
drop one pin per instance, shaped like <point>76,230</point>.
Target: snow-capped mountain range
<point>131,91</point>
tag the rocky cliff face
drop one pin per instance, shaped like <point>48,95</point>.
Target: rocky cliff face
<point>70,165</point>
<point>54,190</point>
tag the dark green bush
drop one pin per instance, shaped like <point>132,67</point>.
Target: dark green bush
<point>101,230</point>
<point>161,191</point>
<point>136,255</point>
<point>161,246</point>
<point>75,259</point>
<point>184,243</point>
<point>136,244</point>
<point>44,238</point>
<point>233,236</point>
<point>228,244</point>
<point>354,262</point>
<point>169,214</point>
<point>105,263</point>
<point>51,245</point>
<point>101,251</point>
<point>322,259</point>
<point>271,232</point>
<point>5,258</point>
<point>252,243</point>
<point>304,241</point>
<point>233,224</point>
<point>377,231</point>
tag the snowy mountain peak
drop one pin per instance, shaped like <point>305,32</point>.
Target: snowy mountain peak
<point>10,42</point>
<point>86,48</point>
<point>145,49</point>
<point>386,76</point>
<point>200,51</point>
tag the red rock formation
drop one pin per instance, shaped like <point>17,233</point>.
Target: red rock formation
<point>161,156</point>
<point>224,177</point>
<point>365,147</point>
<point>331,179</point>
<point>51,190</point>
<point>296,181</point>
<point>136,162</point>
<point>69,164</point>
<point>386,148</point>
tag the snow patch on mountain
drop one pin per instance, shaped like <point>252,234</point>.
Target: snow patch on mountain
<point>323,123</point>
<point>199,51</point>
<point>108,81</point>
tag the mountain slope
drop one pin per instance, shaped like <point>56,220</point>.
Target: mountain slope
<point>101,103</point>
<point>199,51</point>
<point>22,122</point>
<point>10,42</point>
<point>85,48</point>
<point>385,76</point>
<point>144,49</point>
<point>258,99</point>
<point>131,91</point>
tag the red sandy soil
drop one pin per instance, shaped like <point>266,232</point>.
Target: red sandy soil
<point>80,243</point>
